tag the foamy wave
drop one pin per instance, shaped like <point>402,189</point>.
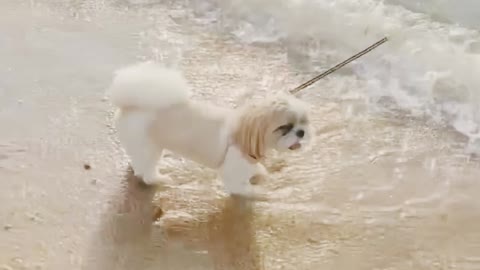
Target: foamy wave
<point>427,66</point>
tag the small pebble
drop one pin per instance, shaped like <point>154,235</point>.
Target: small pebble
<point>94,181</point>
<point>34,217</point>
<point>87,166</point>
<point>312,241</point>
<point>157,214</point>
<point>7,227</point>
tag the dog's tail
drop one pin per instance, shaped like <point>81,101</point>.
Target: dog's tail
<point>148,86</point>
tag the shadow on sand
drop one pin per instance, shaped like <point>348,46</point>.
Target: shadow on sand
<point>219,234</point>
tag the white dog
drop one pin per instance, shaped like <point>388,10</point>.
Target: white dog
<point>156,113</point>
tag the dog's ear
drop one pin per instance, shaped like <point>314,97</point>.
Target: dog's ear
<point>250,133</point>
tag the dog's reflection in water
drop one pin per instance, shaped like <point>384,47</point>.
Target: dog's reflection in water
<point>218,234</point>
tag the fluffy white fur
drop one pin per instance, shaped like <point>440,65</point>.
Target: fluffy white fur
<point>155,112</point>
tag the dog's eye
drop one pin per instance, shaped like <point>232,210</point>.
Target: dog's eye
<point>285,129</point>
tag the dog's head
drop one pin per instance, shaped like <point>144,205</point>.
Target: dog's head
<point>280,122</point>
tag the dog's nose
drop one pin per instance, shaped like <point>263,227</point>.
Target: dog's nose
<point>300,133</point>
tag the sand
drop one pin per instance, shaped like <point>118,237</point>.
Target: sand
<point>375,190</point>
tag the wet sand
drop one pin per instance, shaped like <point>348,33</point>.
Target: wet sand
<point>375,191</point>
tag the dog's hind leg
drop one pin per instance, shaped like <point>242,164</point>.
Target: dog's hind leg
<point>144,153</point>
<point>151,175</point>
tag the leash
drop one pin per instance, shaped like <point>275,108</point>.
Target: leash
<point>338,66</point>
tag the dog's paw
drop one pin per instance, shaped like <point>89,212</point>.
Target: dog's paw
<point>243,194</point>
<point>157,179</point>
<point>257,195</point>
<point>240,189</point>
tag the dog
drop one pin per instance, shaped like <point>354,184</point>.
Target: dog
<point>155,112</point>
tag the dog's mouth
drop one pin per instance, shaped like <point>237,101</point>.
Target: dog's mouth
<point>295,146</point>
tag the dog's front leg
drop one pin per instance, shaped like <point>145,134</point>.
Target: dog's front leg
<point>236,172</point>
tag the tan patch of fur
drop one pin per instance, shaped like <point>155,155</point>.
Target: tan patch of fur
<point>251,130</point>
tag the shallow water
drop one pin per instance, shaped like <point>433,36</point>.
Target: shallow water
<point>390,182</point>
